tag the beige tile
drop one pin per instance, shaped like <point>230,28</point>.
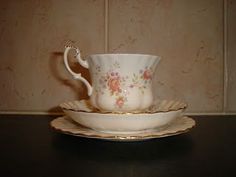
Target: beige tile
<point>231,57</point>
<point>187,34</point>
<point>32,39</point>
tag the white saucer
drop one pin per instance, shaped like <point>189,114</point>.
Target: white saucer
<point>67,126</point>
<point>159,115</point>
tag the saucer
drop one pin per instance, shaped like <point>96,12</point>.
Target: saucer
<point>157,106</point>
<point>159,115</point>
<point>67,126</point>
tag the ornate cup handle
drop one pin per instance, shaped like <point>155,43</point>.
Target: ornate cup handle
<point>82,62</point>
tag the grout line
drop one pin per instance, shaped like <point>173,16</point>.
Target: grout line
<point>225,49</point>
<point>61,113</point>
<point>106,25</point>
<point>211,114</point>
<point>30,113</point>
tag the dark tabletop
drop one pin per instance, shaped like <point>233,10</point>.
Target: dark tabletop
<point>29,147</point>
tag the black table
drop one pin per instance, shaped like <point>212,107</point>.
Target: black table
<point>29,147</point>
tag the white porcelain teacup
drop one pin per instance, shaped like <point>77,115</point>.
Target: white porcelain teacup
<point>120,82</point>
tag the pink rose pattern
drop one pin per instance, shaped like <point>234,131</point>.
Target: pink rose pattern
<point>147,74</point>
<point>120,101</point>
<point>114,82</point>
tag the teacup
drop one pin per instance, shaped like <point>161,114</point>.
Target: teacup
<point>120,82</point>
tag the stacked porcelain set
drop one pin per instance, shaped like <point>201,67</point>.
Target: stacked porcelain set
<point>121,103</point>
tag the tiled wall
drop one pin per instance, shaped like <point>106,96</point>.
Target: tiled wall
<point>195,38</point>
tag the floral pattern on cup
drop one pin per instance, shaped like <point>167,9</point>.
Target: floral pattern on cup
<point>113,83</point>
<point>142,79</point>
<point>120,101</point>
<point>120,86</point>
<point>147,74</point>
